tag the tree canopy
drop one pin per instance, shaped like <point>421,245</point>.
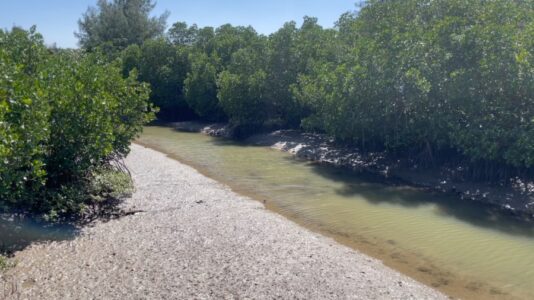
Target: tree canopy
<point>115,25</point>
<point>432,80</point>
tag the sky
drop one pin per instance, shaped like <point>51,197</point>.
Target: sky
<point>57,20</point>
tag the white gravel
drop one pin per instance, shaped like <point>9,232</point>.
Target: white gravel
<point>199,240</point>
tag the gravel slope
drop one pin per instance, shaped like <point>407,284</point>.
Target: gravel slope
<point>198,239</point>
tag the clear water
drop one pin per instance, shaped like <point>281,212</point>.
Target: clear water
<point>461,248</point>
<point>18,233</point>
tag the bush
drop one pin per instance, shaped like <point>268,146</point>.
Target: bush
<point>109,184</point>
<point>243,90</point>
<point>96,195</point>
<point>164,66</point>
<point>62,117</point>
<point>431,76</point>
<point>4,263</point>
<point>201,88</point>
<point>24,117</point>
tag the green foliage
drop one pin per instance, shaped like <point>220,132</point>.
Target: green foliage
<point>164,67</point>
<point>416,77</point>
<point>131,59</point>
<point>255,89</point>
<point>61,116</point>
<point>283,67</point>
<point>24,114</point>
<point>113,26</point>
<point>181,34</point>
<point>227,66</point>
<point>243,90</point>
<point>104,111</point>
<point>4,263</point>
<point>109,183</point>
<point>187,67</point>
<point>229,39</point>
<point>212,53</point>
<point>293,52</point>
<point>201,88</point>
<point>430,75</point>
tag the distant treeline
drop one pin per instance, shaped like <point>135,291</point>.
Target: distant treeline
<point>434,80</point>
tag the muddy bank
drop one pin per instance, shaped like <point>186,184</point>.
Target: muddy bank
<point>514,198</point>
<point>196,239</point>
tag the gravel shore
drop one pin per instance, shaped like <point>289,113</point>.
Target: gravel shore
<point>196,239</point>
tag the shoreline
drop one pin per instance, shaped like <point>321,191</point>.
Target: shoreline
<point>197,238</point>
<point>515,199</point>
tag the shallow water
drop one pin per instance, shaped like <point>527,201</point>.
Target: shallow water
<point>18,233</point>
<point>461,248</point>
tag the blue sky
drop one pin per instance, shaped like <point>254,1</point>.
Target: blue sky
<point>57,19</point>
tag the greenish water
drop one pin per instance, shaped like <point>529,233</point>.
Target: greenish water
<point>461,248</point>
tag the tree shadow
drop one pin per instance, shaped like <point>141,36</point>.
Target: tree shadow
<point>377,190</point>
<point>221,141</point>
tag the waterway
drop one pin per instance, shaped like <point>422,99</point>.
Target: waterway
<point>462,248</point>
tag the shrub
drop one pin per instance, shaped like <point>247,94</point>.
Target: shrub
<point>110,184</point>
<point>24,114</point>
<point>431,76</point>
<point>164,66</point>
<point>4,263</point>
<point>62,117</point>
<point>201,89</point>
<point>243,91</point>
